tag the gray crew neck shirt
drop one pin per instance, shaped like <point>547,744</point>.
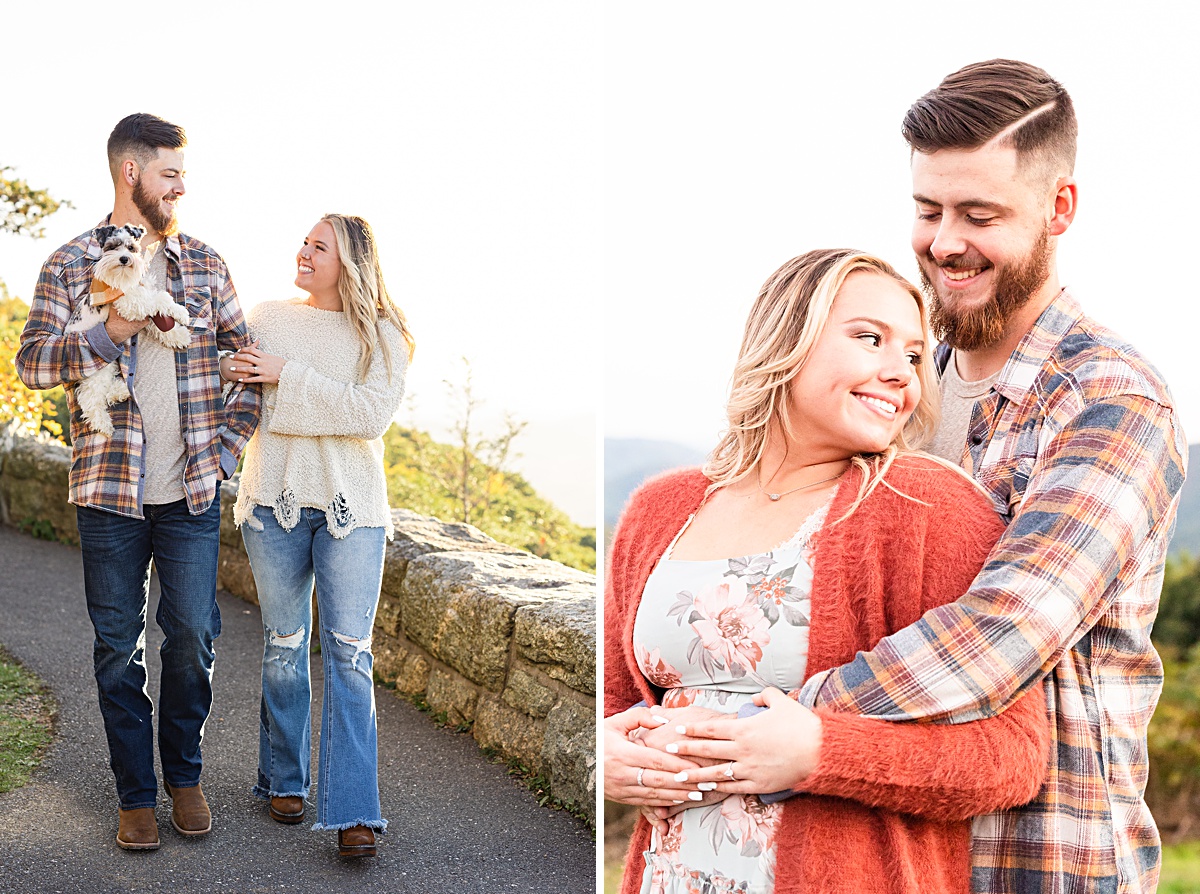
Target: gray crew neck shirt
<point>958,401</point>
<point>157,394</point>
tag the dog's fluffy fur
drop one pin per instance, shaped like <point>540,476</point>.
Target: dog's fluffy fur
<point>122,266</point>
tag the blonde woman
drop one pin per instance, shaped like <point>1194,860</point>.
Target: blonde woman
<point>312,505</point>
<point>813,532</point>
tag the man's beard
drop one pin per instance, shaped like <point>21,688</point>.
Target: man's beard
<point>165,223</point>
<point>983,326</point>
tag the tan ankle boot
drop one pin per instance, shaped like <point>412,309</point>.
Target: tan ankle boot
<point>286,810</point>
<point>137,830</point>
<point>357,841</point>
<point>189,810</point>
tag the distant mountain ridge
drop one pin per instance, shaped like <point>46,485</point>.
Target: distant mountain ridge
<point>630,461</point>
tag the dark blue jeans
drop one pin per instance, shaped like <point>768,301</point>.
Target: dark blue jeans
<point>116,579</point>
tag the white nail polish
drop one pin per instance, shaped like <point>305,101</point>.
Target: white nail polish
<point>706,786</point>
<point>676,802</point>
<point>695,796</point>
<point>681,776</point>
<point>673,748</point>
<point>658,719</point>
<point>681,729</point>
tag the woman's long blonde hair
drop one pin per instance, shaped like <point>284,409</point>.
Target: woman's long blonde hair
<point>788,318</point>
<point>365,298</point>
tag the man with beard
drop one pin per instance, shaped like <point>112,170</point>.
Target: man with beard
<point>152,489</point>
<point>1074,437</point>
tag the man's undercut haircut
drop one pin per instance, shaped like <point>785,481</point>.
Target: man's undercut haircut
<point>139,137</point>
<point>1013,103</point>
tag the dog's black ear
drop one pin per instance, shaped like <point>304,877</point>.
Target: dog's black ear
<point>102,234</point>
<point>138,232</point>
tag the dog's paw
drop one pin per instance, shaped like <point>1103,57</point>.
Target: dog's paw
<point>178,337</point>
<point>117,392</point>
<point>100,422</point>
<point>179,313</point>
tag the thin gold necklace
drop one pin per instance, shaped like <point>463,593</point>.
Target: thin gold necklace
<point>775,498</point>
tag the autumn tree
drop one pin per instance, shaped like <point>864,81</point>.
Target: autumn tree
<point>478,475</point>
<point>23,208</point>
<point>22,211</point>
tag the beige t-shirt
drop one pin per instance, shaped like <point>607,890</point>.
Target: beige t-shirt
<point>958,401</point>
<point>157,395</point>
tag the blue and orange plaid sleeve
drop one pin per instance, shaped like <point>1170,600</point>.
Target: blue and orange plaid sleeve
<point>47,355</point>
<point>244,403</point>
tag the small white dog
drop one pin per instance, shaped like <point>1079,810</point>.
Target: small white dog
<point>118,281</point>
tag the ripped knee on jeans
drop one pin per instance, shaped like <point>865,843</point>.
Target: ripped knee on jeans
<point>360,645</point>
<point>286,641</point>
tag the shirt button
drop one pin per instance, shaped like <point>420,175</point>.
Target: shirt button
<point>976,440</point>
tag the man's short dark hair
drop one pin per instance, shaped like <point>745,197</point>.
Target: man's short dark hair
<point>1015,101</point>
<point>139,137</point>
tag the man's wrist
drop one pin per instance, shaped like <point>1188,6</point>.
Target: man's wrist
<point>101,343</point>
<point>810,692</point>
<point>228,464</point>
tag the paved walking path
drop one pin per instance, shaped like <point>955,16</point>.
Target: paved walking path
<point>457,822</point>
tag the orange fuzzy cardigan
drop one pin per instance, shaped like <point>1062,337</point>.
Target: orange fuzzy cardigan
<point>887,807</point>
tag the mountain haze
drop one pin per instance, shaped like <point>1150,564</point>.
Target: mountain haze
<point>630,461</point>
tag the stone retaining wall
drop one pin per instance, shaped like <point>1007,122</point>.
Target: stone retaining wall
<point>489,636</point>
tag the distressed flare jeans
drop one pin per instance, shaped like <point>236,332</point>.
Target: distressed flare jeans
<point>116,554</point>
<point>348,573</point>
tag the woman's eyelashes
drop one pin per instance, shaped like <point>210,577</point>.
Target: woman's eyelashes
<point>876,341</point>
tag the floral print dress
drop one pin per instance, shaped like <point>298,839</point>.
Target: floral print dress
<point>712,633</point>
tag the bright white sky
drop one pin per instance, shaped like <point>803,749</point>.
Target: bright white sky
<point>584,197</point>
<point>468,134</point>
<point>740,135</point>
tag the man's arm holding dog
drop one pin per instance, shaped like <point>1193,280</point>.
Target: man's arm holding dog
<point>47,355</point>
<point>119,329</point>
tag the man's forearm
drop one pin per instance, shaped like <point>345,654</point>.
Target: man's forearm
<point>1085,530</point>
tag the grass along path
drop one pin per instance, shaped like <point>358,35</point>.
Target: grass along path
<point>26,721</point>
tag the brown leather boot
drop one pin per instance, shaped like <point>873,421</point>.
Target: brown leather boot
<point>357,841</point>
<point>189,810</point>
<point>137,830</point>
<point>286,810</point>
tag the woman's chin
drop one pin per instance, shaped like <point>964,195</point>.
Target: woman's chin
<point>874,444</point>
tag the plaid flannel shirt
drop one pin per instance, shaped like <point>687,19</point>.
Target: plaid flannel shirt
<point>109,473</point>
<point>1079,448</point>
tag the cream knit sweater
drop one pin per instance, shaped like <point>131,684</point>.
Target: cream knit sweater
<point>319,443</point>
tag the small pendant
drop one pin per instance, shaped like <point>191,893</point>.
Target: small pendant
<point>774,498</point>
